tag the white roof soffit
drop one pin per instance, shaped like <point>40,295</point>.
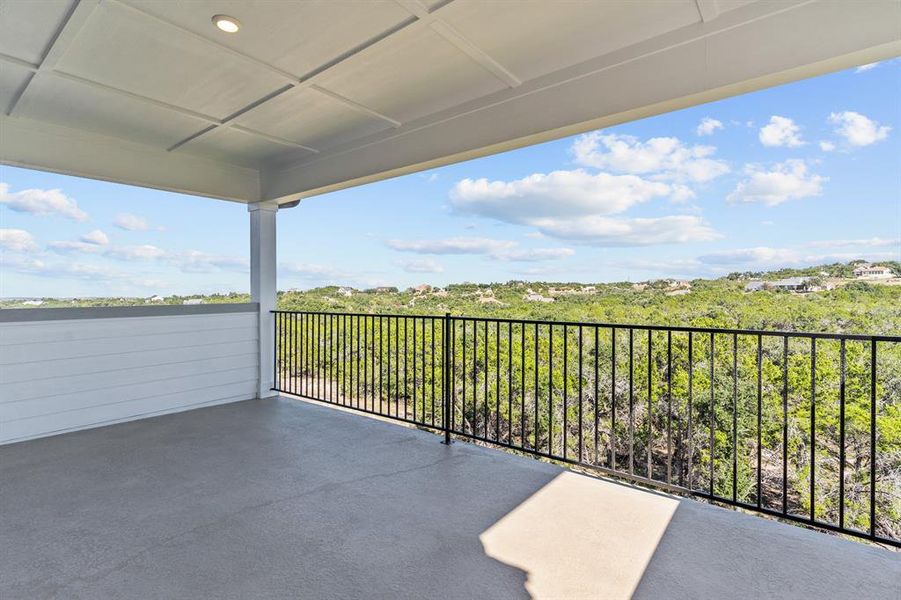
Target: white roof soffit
<point>313,96</point>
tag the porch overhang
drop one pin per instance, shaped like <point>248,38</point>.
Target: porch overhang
<point>313,97</point>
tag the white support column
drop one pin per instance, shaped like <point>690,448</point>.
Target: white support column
<point>263,284</point>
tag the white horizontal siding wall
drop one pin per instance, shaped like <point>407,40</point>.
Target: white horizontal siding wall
<point>61,374</point>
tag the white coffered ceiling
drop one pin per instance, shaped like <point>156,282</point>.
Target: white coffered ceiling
<point>315,95</point>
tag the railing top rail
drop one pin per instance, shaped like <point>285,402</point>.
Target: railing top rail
<point>605,325</point>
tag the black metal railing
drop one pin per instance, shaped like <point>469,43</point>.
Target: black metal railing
<point>803,426</point>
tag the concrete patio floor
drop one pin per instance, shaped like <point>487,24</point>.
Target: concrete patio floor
<point>283,498</point>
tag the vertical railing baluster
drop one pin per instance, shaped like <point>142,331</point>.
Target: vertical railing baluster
<point>759,419</point>
<point>535,434</point>
<point>522,375</point>
<point>422,368</point>
<point>669,405</point>
<point>406,356</point>
<point>650,411</point>
<point>580,393</point>
<point>432,364</point>
<point>445,385</point>
<point>509,384</point>
<point>295,354</point>
<point>784,425</point>
<point>565,390</point>
<point>452,378</point>
<point>276,353</point>
<point>597,351</point>
<point>813,428</point>
<point>712,414</point>
<point>463,391</point>
<point>691,438</point>
<point>631,404</point>
<point>841,438</point>
<point>613,398</point>
<point>873,438</point>
<point>734,417</point>
<point>485,374</point>
<point>550,390</point>
<point>497,381</point>
<point>374,389</point>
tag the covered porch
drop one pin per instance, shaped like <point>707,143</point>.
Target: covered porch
<point>245,493</point>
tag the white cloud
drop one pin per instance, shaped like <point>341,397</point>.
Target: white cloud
<point>873,242</point>
<point>576,205</point>
<point>131,222</point>
<point>420,265</point>
<point>314,273</point>
<point>533,254</point>
<point>827,146</point>
<point>188,261</point>
<point>41,203</point>
<point>195,261</point>
<point>559,193</point>
<point>781,131</point>
<point>664,158</point>
<point>496,249</point>
<point>458,245</point>
<point>867,67</point>
<point>65,247</point>
<point>79,271</point>
<point>610,232</point>
<point>758,255</point>
<point>131,253</point>
<point>96,237</point>
<point>857,129</point>
<point>708,126</point>
<point>788,180</point>
<point>765,257</point>
<point>17,240</point>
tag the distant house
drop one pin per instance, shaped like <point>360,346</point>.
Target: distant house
<point>156,300</point>
<point>33,302</point>
<point>791,284</point>
<point>868,271</point>
<point>191,301</point>
<point>532,296</point>
<point>346,292</point>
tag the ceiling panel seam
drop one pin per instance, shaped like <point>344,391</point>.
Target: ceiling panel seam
<point>79,14</point>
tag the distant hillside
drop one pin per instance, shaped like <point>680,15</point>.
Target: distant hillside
<point>856,306</point>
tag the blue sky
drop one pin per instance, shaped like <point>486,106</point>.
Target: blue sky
<point>799,174</point>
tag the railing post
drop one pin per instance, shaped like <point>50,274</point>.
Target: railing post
<point>446,377</point>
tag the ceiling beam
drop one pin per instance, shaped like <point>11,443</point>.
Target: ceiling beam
<point>459,41</point>
<point>79,14</point>
<point>18,62</point>
<point>354,105</point>
<point>49,147</point>
<point>708,9</point>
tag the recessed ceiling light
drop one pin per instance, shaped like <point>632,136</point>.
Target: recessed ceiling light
<point>226,23</point>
